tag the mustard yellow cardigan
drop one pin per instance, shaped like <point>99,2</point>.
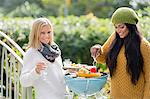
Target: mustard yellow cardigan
<point>121,85</point>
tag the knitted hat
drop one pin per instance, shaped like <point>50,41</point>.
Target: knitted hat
<point>124,15</point>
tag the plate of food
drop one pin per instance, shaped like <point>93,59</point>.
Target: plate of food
<point>88,72</point>
<point>90,75</point>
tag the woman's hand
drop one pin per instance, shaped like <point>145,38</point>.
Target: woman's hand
<point>40,67</point>
<point>95,50</point>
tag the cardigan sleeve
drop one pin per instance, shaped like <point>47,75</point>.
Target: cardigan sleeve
<point>145,50</point>
<point>28,73</point>
<point>105,48</point>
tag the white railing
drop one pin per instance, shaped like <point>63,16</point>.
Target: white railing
<point>11,64</point>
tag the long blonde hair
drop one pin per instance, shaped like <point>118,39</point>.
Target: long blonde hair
<point>35,32</point>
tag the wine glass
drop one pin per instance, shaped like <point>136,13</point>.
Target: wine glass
<point>67,62</point>
<point>45,72</point>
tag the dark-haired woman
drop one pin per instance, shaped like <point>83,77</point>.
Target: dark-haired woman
<point>127,55</point>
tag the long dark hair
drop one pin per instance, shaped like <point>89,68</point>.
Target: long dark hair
<point>132,52</point>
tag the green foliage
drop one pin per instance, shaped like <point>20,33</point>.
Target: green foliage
<point>18,29</point>
<point>145,22</point>
<point>74,35</point>
<point>79,34</point>
<point>36,8</point>
<point>27,9</point>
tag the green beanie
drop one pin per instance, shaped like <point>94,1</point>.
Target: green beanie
<point>124,15</point>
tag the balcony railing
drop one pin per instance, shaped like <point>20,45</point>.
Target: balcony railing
<point>10,68</point>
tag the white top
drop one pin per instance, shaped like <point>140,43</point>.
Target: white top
<point>51,88</point>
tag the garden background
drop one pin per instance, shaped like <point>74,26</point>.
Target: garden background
<point>78,24</point>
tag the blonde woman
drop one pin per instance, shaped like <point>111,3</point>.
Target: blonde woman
<point>42,67</point>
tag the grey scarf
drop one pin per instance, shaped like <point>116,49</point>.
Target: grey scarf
<point>50,52</point>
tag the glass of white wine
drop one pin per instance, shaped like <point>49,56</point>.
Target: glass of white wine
<point>67,62</point>
<point>45,72</point>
